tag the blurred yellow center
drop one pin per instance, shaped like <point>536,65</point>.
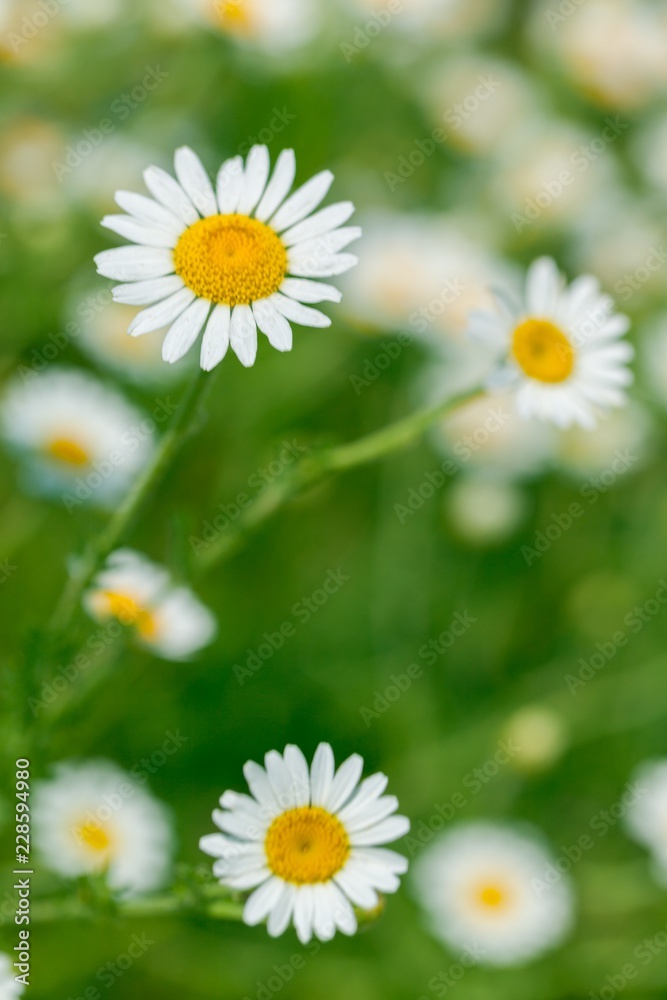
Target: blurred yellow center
<point>234,15</point>
<point>68,451</point>
<point>492,896</point>
<point>231,259</point>
<point>306,845</point>
<point>542,350</point>
<point>94,836</point>
<point>128,611</point>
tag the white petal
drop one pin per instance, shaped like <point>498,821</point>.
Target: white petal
<point>310,291</point>
<point>543,284</point>
<point>381,857</point>
<point>322,222</point>
<point>324,267</point>
<point>321,774</point>
<point>279,917</point>
<point>297,312</point>
<point>169,193</point>
<point>146,233</point>
<point>195,181</point>
<point>382,833</point>
<point>281,779</point>
<point>143,293</point>
<point>260,786</point>
<point>371,814</point>
<point>262,901</point>
<point>145,208</point>
<point>304,909</point>
<point>357,889</point>
<point>243,335</point>
<point>324,245</point>
<point>134,263</point>
<point>229,184</point>
<point>185,331</point>
<point>248,880</point>
<point>214,844</point>
<point>304,200</point>
<point>273,324</point>
<point>238,824</point>
<point>254,180</point>
<point>324,924</point>
<point>345,781</point>
<point>279,185</point>
<point>162,313</point>
<point>367,794</point>
<point>216,337</point>
<point>299,774</point>
<point>343,913</point>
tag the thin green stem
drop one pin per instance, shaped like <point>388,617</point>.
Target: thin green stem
<point>318,465</point>
<point>178,431</point>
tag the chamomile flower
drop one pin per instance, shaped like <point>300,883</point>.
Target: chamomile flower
<point>646,818</point>
<point>229,260</point>
<point>278,27</point>
<point>93,818</point>
<point>9,988</point>
<point>78,438</point>
<point>166,618</point>
<point>307,842</point>
<point>483,886</point>
<point>561,347</point>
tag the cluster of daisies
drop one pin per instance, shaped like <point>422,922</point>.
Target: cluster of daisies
<point>307,846</point>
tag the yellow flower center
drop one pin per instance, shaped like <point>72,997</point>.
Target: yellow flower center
<point>128,611</point>
<point>492,896</point>
<point>94,836</point>
<point>231,259</point>
<point>234,15</point>
<point>68,451</point>
<point>542,350</point>
<point>306,845</point>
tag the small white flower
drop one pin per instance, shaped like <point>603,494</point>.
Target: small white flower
<point>277,28</point>
<point>307,842</point>
<point>166,618</point>
<point>93,818</point>
<point>485,887</point>
<point>76,435</point>
<point>229,260</point>
<point>9,988</point>
<point>561,347</point>
<point>646,818</point>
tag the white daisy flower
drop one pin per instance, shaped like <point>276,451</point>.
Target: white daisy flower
<point>483,886</point>
<point>646,819</point>
<point>93,818</point>
<point>562,348</point>
<point>229,260</point>
<point>79,438</point>
<point>166,618</point>
<point>307,842</point>
<point>9,988</point>
<point>276,27</point>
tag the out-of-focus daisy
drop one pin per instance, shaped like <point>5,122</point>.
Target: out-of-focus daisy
<point>483,886</point>
<point>9,988</point>
<point>538,734</point>
<point>441,19</point>
<point>276,28</point>
<point>165,617</point>
<point>93,818</point>
<point>646,819</point>
<point>228,261</point>
<point>78,438</point>
<point>561,347</point>
<point>619,444</point>
<point>307,842</point>
<point>485,511</point>
<point>89,180</point>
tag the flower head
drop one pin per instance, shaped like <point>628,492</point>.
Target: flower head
<point>9,988</point>
<point>646,818</point>
<point>93,818</point>
<point>561,347</point>
<point>307,842</point>
<point>76,435</point>
<point>165,618</point>
<point>486,886</point>
<point>229,260</point>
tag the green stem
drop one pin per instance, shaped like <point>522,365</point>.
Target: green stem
<point>54,910</point>
<point>318,465</point>
<point>179,430</point>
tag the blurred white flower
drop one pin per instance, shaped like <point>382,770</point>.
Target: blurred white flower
<point>166,618</point>
<point>276,27</point>
<point>646,819</point>
<point>559,346</point>
<point>90,173</point>
<point>485,887</point>
<point>618,444</point>
<point>9,988</point>
<point>485,511</point>
<point>439,20</point>
<point>28,147</point>
<point>218,262</point>
<point>307,842</point>
<point>540,736</point>
<point>78,438</point>
<point>93,818</point>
